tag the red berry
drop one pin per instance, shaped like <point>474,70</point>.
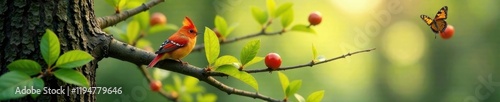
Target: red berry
<point>315,18</point>
<point>158,18</point>
<point>273,61</point>
<point>155,85</point>
<point>448,32</point>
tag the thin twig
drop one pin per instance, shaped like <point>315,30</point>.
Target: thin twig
<point>230,90</point>
<point>116,18</point>
<point>310,64</point>
<point>145,72</point>
<point>200,47</point>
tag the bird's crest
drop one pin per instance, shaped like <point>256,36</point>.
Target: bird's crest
<point>188,23</point>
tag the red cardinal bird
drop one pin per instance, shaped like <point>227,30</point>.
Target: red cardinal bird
<point>179,45</point>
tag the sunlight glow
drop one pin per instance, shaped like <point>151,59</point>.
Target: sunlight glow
<point>355,6</point>
<point>404,43</point>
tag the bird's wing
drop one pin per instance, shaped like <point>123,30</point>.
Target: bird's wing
<point>172,45</point>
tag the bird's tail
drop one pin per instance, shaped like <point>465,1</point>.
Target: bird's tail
<point>155,60</point>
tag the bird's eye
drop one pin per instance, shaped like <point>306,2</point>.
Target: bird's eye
<point>191,31</point>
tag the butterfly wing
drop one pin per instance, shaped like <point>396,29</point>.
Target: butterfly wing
<point>428,20</point>
<point>442,13</point>
<point>439,20</point>
<point>438,26</point>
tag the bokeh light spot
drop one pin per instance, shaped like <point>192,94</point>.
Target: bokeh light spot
<point>404,43</point>
<point>356,6</point>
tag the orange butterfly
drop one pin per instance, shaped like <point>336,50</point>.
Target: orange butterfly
<point>438,24</point>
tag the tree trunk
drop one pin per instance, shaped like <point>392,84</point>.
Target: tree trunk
<point>22,24</point>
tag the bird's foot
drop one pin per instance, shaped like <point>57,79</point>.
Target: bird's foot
<point>183,62</point>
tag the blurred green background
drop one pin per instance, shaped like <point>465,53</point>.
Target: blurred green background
<point>409,65</point>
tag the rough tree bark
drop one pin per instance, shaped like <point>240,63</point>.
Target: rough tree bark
<point>23,22</point>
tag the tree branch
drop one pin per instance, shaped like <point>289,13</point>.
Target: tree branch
<point>310,64</point>
<point>107,21</point>
<point>125,52</point>
<point>230,90</point>
<point>200,47</point>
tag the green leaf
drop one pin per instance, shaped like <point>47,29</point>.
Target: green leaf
<point>259,15</point>
<point>162,27</point>
<point>117,33</point>
<point>221,25</point>
<point>191,85</point>
<point>11,81</point>
<point>303,28</point>
<point>283,8</point>
<point>177,83</point>
<point>113,30</point>
<point>249,51</point>
<point>74,58</point>
<point>37,84</point>
<point>117,3</point>
<point>49,46</point>
<point>299,98</point>
<point>143,19</point>
<point>253,61</point>
<point>225,60</point>
<point>121,3</point>
<point>212,47</point>
<point>160,74</point>
<point>190,82</point>
<point>196,89</point>
<point>142,43</point>
<point>169,88</point>
<point>230,29</point>
<point>284,82</point>
<point>71,76</point>
<point>316,96</point>
<point>27,66</point>
<point>240,75</point>
<point>206,97</point>
<point>133,4</point>
<point>315,53</point>
<point>185,97</point>
<point>138,1</point>
<point>271,7</point>
<point>132,31</point>
<point>293,87</point>
<point>123,37</point>
<point>287,18</point>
